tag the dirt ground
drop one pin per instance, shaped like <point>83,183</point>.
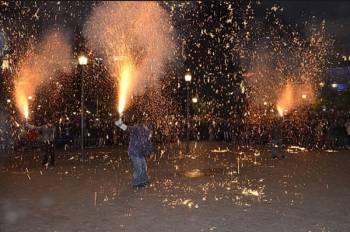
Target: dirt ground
<point>216,187</point>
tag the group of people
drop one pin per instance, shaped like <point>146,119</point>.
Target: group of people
<point>314,131</point>
<point>140,146</point>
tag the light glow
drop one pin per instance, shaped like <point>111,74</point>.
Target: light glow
<point>83,60</point>
<point>125,78</point>
<point>188,77</point>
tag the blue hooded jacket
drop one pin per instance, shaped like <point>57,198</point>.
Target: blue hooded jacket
<point>139,141</point>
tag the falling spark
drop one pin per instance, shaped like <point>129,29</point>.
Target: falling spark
<point>27,173</point>
<point>194,173</point>
<point>250,192</point>
<point>219,150</point>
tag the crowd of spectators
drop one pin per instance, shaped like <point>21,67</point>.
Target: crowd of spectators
<point>313,130</point>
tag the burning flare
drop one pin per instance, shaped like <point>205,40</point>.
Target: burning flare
<point>294,96</point>
<point>24,87</point>
<point>286,100</point>
<point>126,71</point>
<point>280,110</point>
<point>38,65</point>
<point>22,102</point>
<point>135,41</point>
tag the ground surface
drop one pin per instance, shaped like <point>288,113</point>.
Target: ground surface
<point>211,189</point>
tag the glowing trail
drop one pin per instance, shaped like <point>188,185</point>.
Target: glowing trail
<point>37,65</point>
<point>22,102</point>
<point>134,40</point>
<point>294,95</point>
<point>125,79</point>
<point>286,99</point>
<point>279,110</point>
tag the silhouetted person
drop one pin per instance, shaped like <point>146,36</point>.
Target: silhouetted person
<point>276,139</point>
<point>47,132</point>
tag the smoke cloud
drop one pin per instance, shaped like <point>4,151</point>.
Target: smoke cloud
<point>139,31</point>
<point>40,64</point>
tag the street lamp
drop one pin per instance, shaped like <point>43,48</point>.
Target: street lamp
<point>194,99</point>
<point>82,60</point>
<point>188,78</point>
<point>5,64</point>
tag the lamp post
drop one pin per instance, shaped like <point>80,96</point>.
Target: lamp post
<point>82,60</point>
<point>194,100</point>
<point>188,78</point>
<point>5,65</point>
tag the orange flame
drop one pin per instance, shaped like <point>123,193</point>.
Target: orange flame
<point>280,110</point>
<point>293,96</point>
<point>285,101</point>
<point>22,102</point>
<point>125,78</point>
<point>134,40</point>
<point>24,89</point>
<point>37,65</point>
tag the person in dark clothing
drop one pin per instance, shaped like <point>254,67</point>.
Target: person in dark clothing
<point>276,139</point>
<point>47,132</point>
<point>139,146</point>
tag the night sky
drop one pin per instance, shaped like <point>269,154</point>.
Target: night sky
<point>36,17</point>
<point>336,14</point>
<point>203,26</point>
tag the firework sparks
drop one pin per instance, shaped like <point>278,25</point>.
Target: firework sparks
<point>294,96</point>
<point>132,39</point>
<point>285,101</point>
<point>125,79</point>
<point>37,66</point>
<point>22,101</point>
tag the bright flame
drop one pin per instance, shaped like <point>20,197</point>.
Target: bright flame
<point>22,102</point>
<point>125,78</point>
<point>23,88</point>
<point>133,38</point>
<point>280,110</point>
<point>285,101</point>
<point>37,65</point>
<point>289,98</point>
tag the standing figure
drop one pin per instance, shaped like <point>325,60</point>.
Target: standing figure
<point>47,132</point>
<point>276,140</point>
<point>139,146</point>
